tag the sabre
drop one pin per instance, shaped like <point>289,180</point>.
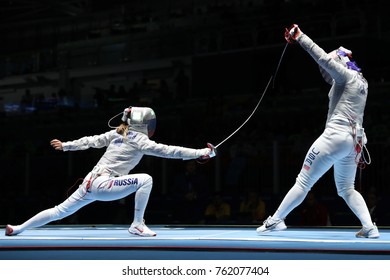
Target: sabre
<point>280,62</point>
<point>261,98</point>
<point>254,110</point>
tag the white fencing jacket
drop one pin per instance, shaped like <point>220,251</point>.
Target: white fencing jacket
<point>124,153</point>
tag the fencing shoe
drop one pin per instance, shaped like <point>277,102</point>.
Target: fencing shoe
<point>368,232</point>
<point>141,230</point>
<point>271,225</point>
<point>9,231</point>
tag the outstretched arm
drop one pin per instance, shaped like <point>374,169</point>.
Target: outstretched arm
<point>96,141</point>
<point>152,148</point>
<point>336,70</point>
<point>56,144</point>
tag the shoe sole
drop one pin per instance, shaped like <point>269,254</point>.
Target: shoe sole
<point>371,237</point>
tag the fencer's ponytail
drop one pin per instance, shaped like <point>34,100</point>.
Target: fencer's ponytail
<point>122,129</point>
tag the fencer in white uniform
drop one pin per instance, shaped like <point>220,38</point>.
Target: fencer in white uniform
<point>340,145</point>
<point>110,179</point>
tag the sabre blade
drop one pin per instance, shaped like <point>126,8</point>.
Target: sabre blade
<point>254,110</point>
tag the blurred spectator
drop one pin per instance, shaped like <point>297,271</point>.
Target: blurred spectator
<point>217,211</point>
<point>252,208</point>
<point>314,213</point>
<point>191,191</point>
<point>236,165</point>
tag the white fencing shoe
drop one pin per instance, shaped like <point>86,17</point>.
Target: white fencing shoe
<point>368,232</point>
<point>271,225</point>
<point>141,230</point>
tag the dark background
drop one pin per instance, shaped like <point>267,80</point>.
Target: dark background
<point>70,55</point>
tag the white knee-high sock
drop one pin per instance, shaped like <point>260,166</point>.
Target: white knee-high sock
<point>141,200</point>
<point>40,219</point>
<point>293,198</point>
<point>356,203</point>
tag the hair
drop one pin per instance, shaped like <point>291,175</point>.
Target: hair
<point>122,129</point>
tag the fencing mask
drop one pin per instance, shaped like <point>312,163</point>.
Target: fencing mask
<point>344,57</point>
<point>141,119</point>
